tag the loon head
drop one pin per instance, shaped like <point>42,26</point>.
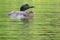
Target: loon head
<point>25,7</point>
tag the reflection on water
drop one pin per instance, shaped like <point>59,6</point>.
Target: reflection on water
<point>25,29</point>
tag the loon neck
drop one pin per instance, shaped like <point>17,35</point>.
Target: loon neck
<point>20,10</point>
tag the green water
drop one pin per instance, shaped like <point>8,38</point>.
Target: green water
<point>45,25</point>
